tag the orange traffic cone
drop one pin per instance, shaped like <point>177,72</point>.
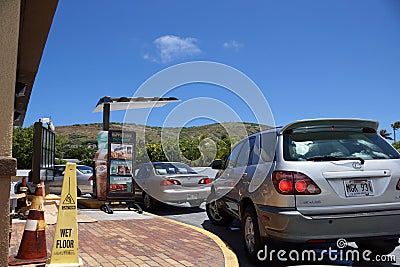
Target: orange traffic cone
<point>21,202</point>
<point>33,244</point>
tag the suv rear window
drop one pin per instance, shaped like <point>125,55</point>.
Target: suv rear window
<point>303,144</point>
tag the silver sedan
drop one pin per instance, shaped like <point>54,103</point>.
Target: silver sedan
<point>172,182</point>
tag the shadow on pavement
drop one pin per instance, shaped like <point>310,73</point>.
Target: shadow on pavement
<point>164,209</point>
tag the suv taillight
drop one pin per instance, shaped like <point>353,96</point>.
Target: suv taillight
<point>398,185</point>
<point>170,182</point>
<point>290,183</point>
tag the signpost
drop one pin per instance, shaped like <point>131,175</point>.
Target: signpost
<point>115,158</point>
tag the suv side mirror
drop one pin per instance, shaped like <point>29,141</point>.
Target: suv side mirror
<point>217,164</point>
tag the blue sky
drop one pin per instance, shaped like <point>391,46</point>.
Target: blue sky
<point>310,58</point>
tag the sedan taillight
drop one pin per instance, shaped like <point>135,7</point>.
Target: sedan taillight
<point>294,183</point>
<point>398,185</point>
<point>205,181</point>
<point>169,182</point>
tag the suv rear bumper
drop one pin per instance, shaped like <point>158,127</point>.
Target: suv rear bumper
<point>288,224</point>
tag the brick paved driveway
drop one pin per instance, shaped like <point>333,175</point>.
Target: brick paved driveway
<point>150,242</point>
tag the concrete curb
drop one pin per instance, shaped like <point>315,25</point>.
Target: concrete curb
<point>230,257</point>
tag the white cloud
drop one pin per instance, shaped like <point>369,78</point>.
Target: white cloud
<point>171,47</point>
<point>232,44</point>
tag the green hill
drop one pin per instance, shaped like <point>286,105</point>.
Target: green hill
<point>79,134</point>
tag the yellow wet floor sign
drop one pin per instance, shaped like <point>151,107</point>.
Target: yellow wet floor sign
<point>65,245</point>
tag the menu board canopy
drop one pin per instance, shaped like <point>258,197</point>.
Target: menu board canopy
<point>124,103</point>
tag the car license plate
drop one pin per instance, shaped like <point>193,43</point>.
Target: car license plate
<point>358,188</point>
<point>192,196</point>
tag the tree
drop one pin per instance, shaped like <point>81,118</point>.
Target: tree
<point>155,152</point>
<point>385,134</point>
<point>61,146</point>
<point>22,147</point>
<point>190,149</point>
<point>396,145</point>
<point>395,126</point>
<point>223,147</point>
<point>84,154</point>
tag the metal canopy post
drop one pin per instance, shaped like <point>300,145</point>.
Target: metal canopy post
<point>106,116</point>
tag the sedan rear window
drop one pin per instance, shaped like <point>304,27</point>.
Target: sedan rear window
<point>306,144</point>
<point>163,168</point>
<point>85,169</point>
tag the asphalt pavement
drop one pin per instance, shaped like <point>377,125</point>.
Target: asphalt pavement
<point>231,235</point>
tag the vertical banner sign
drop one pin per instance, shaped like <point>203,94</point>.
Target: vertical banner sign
<point>65,245</point>
<point>121,159</point>
<point>101,163</point>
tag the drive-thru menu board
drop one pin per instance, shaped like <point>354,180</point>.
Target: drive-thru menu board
<point>114,162</point>
<point>121,147</point>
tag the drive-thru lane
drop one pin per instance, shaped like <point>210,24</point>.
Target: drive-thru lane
<point>232,236</point>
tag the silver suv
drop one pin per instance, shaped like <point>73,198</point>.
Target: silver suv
<point>311,181</point>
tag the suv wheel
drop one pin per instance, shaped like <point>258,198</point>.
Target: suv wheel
<point>217,216</point>
<point>251,234</point>
<point>379,247</point>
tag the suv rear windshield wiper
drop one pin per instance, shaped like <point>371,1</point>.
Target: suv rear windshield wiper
<point>332,158</point>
